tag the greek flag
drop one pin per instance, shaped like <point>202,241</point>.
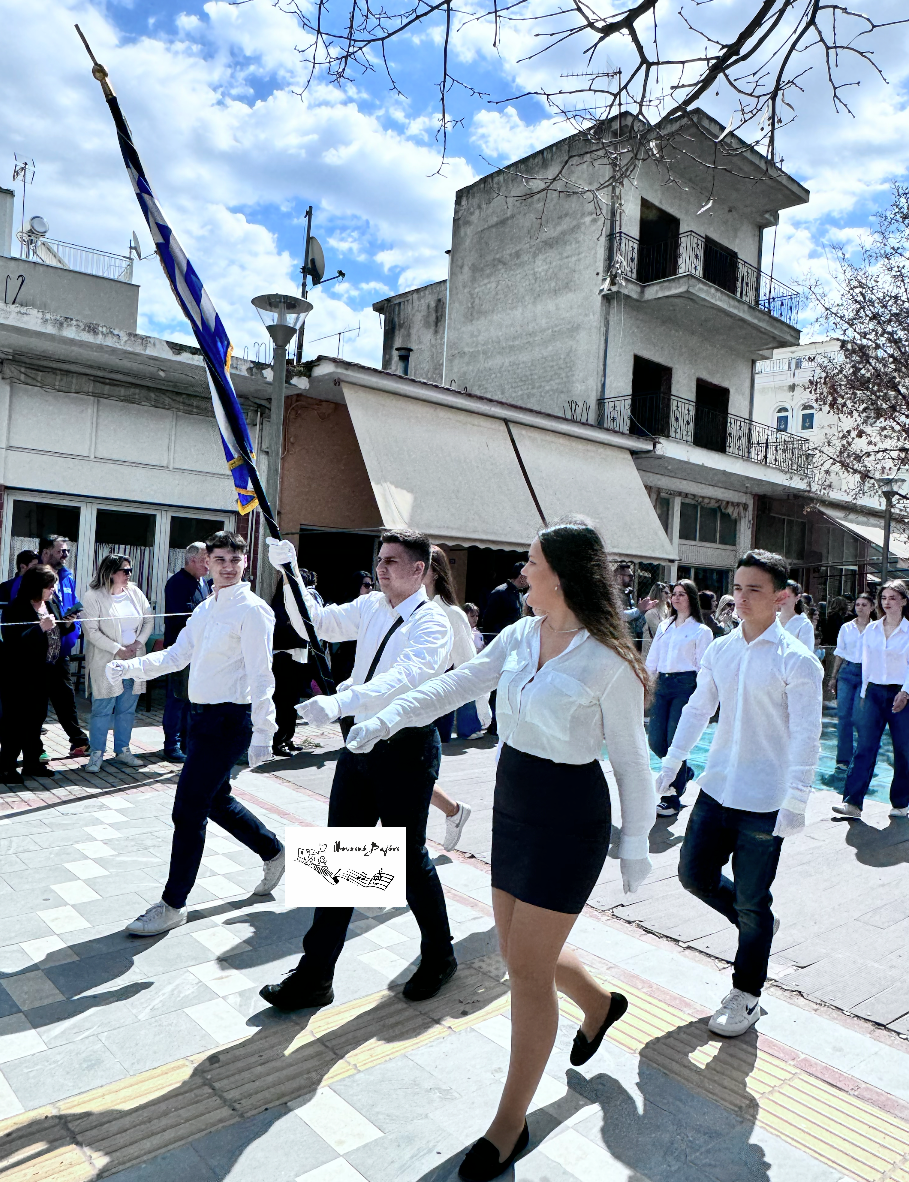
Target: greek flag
<point>200,312</point>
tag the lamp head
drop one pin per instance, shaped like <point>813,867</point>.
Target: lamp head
<point>889,485</point>
<point>282,315</point>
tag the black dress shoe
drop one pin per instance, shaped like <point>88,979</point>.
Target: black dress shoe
<point>429,978</point>
<point>583,1048</point>
<point>482,1161</point>
<point>298,991</point>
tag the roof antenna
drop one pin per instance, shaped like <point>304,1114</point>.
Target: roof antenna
<point>24,171</point>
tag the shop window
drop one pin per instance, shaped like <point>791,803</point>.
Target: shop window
<point>706,523</point>
<point>782,418</point>
<point>33,520</point>
<point>131,534</point>
<point>688,521</point>
<point>807,418</point>
<point>663,506</point>
<point>782,535</point>
<point>706,578</point>
<point>184,531</point>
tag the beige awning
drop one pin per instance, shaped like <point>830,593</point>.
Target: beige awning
<point>454,475</point>
<point>869,529</point>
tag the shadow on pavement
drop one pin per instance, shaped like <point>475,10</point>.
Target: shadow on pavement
<point>879,847</point>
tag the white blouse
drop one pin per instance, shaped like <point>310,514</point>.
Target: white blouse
<point>849,642</point>
<point>885,661</point>
<point>464,649</point>
<point>802,629</point>
<point>564,711</point>
<point>679,648</point>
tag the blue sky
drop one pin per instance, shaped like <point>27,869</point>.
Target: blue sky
<point>235,154</point>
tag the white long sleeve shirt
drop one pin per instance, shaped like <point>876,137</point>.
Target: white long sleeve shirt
<point>767,742</point>
<point>849,642</point>
<point>802,629</point>
<point>564,711</point>
<point>464,649</point>
<point>418,650</point>
<point>885,660</point>
<point>228,639</point>
<point>678,648</point>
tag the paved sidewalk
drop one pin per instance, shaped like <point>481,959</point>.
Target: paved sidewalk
<point>156,1060</point>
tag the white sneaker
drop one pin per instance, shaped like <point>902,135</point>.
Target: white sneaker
<point>273,873</point>
<point>127,758</point>
<point>94,762</point>
<point>895,812</point>
<point>159,918</point>
<point>477,735</point>
<point>737,1014</point>
<point>847,810</point>
<point>454,826</point>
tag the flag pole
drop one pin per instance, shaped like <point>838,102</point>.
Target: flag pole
<point>238,429</point>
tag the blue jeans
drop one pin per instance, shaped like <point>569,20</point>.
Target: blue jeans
<point>467,721</point>
<point>392,784</point>
<point>875,711</point>
<point>672,692</point>
<point>218,736</point>
<point>119,712</point>
<point>176,713</point>
<point>848,687</point>
<point>715,834</point>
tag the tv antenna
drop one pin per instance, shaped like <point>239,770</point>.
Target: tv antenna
<point>340,335</point>
<point>313,268</point>
<point>24,172</point>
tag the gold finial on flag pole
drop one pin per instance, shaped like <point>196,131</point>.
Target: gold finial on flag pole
<point>98,71</point>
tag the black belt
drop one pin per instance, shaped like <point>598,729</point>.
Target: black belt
<point>198,707</point>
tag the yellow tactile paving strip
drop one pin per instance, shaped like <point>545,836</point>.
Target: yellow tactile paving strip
<point>106,1130</point>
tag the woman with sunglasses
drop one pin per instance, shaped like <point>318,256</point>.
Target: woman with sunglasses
<point>118,621</point>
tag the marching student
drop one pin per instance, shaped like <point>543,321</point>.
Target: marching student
<point>228,639</point>
<point>793,616</point>
<point>675,657</point>
<point>885,694</point>
<point>402,639</point>
<point>759,772</point>
<point>569,679</point>
<point>846,678</point>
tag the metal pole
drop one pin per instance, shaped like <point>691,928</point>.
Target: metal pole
<point>299,354</point>
<point>885,553</point>
<point>267,573</point>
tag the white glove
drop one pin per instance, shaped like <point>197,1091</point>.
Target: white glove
<point>634,871</point>
<point>114,671</point>
<point>788,823</point>
<point>257,755</point>
<point>663,784</point>
<point>280,552</point>
<point>364,736</point>
<point>319,710</point>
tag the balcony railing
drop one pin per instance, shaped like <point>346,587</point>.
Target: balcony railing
<point>692,254</point>
<point>77,258</point>
<point>668,417</point>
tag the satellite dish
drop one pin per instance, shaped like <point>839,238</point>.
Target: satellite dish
<point>37,226</point>
<point>135,245</point>
<point>315,262</point>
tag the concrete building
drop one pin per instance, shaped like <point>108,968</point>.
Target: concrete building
<point>106,435</point>
<point>643,318</point>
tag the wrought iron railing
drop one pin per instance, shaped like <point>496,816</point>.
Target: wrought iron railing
<point>692,254</point>
<point>78,258</point>
<point>663,415</point>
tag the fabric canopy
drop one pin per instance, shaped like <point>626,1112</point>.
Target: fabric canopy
<point>454,475</point>
<point>869,530</point>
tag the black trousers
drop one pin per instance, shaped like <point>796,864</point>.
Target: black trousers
<point>24,711</point>
<point>62,697</point>
<point>392,784</point>
<point>218,736</point>
<point>289,686</point>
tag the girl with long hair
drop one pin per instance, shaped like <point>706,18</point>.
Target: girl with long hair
<point>793,618</point>
<point>439,586</point>
<point>674,659</point>
<point>846,678</point>
<point>884,697</point>
<point>569,678</point>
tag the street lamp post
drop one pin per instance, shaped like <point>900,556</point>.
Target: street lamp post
<point>889,486</point>
<point>282,316</point>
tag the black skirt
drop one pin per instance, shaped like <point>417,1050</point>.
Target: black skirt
<point>551,825</point>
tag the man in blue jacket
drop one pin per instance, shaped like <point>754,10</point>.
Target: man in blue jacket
<point>54,549</point>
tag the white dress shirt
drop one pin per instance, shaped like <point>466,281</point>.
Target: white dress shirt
<point>802,629</point>
<point>418,650</point>
<point>228,639</point>
<point>849,642</point>
<point>678,648</point>
<point>564,711</point>
<point>885,660</point>
<point>767,741</point>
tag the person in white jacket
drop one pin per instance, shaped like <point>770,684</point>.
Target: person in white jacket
<point>568,679</point>
<point>794,618</point>
<point>440,589</point>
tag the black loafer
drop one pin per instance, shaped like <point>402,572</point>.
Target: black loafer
<point>429,979</point>
<point>298,991</point>
<point>583,1048</point>
<point>482,1161</point>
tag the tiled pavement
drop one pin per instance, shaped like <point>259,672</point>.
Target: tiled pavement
<point>156,1060</point>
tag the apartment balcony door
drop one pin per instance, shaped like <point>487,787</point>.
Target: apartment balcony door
<point>711,416</point>
<point>651,398</point>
